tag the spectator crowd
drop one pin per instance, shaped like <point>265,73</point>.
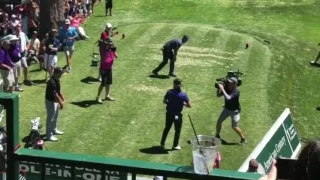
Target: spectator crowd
<point>20,45</point>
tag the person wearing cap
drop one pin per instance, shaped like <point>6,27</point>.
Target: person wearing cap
<point>34,47</point>
<point>106,36</point>
<point>231,108</point>
<point>106,71</point>
<point>24,41</point>
<point>169,52</point>
<point>253,166</point>
<point>54,102</point>
<point>175,99</point>
<point>15,55</point>
<point>6,67</point>
<point>52,46</point>
<point>68,35</point>
<point>109,6</point>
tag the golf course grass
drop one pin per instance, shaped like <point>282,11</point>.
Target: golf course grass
<point>277,76</point>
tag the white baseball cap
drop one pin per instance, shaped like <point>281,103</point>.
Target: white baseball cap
<point>108,25</point>
<point>67,21</point>
<point>10,37</point>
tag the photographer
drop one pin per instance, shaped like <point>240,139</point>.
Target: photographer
<point>231,107</point>
<point>107,58</point>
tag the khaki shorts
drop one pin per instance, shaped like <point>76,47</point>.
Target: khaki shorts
<point>17,69</point>
<point>50,60</point>
<point>68,50</point>
<point>7,77</point>
<point>235,117</point>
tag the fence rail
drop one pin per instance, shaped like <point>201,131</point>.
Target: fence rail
<point>135,167</point>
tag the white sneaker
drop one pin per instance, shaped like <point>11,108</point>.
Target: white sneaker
<point>57,132</point>
<point>52,138</point>
<point>176,148</point>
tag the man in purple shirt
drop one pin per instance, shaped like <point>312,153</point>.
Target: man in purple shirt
<point>169,52</point>
<point>175,99</point>
<point>6,66</point>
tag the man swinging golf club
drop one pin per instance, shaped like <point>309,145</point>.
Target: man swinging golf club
<point>175,99</point>
<point>170,51</point>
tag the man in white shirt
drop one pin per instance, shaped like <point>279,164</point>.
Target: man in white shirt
<point>24,41</point>
<point>34,47</point>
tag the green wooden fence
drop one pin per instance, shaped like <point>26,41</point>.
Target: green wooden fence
<point>50,165</point>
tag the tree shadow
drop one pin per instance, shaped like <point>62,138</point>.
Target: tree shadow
<point>85,103</point>
<point>318,108</point>
<point>89,80</point>
<point>154,150</point>
<point>159,76</point>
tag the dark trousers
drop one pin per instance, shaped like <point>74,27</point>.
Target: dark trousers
<point>167,55</point>
<point>170,119</point>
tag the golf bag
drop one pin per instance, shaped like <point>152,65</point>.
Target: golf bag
<point>34,140</point>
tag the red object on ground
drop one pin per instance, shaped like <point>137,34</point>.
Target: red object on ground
<point>123,36</point>
<point>247,46</point>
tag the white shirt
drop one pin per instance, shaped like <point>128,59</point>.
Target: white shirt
<point>23,41</point>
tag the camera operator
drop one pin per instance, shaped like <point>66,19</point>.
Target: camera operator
<point>231,107</point>
<point>107,58</point>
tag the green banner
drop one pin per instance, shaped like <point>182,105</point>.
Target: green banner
<point>281,144</point>
<point>280,141</point>
<point>57,172</point>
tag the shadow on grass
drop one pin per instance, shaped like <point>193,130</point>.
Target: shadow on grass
<point>39,81</point>
<point>100,16</point>
<point>85,103</point>
<point>36,70</point>
<point>154,150</point>
<point>159,76</point>
<point>89,80</point>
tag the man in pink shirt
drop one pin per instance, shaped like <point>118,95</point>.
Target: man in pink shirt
<point>108,55</point>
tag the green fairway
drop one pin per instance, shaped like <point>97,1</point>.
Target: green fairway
<point>278,75</point>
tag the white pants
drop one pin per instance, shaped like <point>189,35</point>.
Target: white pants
<point>50,60</point>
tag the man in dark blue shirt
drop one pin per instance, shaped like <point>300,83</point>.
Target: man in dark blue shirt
<point>175,99</point>
<point>231,108</point>
<point>52,45</point>
<point>170,51</point>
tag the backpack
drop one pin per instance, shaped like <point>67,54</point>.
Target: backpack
<point>34,140</point>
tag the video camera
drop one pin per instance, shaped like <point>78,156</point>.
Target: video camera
<point>225,81</point>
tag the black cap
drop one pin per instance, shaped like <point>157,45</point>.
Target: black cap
<point>178,82</point>
<point>185,37</point>
<point>57,70</point>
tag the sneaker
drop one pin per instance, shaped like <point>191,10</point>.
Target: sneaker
<point>17,88</point>
<point>242,142</point>
<point>108,98</point>
<point>172,75</point>
<point>176,148</point>
<point>98,99</point>
<point>99,79</point>
<point>57,132</point>
<point>69,70</point>
<point>52,138</point>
